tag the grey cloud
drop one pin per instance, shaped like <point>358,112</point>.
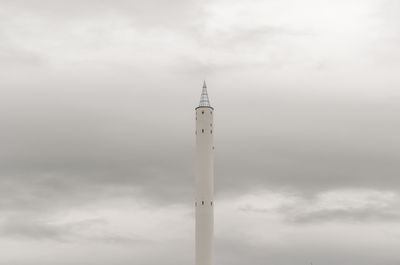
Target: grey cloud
<point>18,57</point>
<point>174,13</point>
<point>52,149</point>
<point>298,251</point>
<point>261,36</point>
<point>240,37</point>
<point>73,148</point>
<point>121,240</point>
<point>389,12</point>
<point>352,215</point>
<point>32,229</point>
<point>372,206</point>
<point>29,227</point>
<point>324,147</point>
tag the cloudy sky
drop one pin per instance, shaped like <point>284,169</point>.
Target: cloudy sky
<point>97,106</point>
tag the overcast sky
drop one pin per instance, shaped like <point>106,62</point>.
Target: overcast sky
<point>97,128</point>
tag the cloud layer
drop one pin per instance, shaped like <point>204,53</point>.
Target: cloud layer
<point>97,130</point>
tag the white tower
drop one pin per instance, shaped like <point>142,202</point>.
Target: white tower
<point>204,180</point>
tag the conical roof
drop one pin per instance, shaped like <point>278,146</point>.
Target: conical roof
<point>204,101</point>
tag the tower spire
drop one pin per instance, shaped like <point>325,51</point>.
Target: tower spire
<point>204,101</point>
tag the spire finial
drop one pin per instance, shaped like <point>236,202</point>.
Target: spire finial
<point>204,101</point>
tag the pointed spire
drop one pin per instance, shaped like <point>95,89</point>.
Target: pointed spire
<point>204,101</point>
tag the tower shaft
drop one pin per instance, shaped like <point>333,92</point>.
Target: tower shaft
<point>204,204</point>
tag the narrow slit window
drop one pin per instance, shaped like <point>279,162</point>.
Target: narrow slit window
<point>211,131</point>
<point>211,203</point>
<point>202,130</point>
<point>202,112</point>
<point>202,202</point>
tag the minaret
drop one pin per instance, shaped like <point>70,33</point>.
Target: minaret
<point>204,180</point>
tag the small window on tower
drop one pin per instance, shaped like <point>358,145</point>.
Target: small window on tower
<point>211,131</point>
<point>202,112</point>
<point>202,130</point>
<point>211,203</point>
<point>195,204</point>
<point>202,202</point>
